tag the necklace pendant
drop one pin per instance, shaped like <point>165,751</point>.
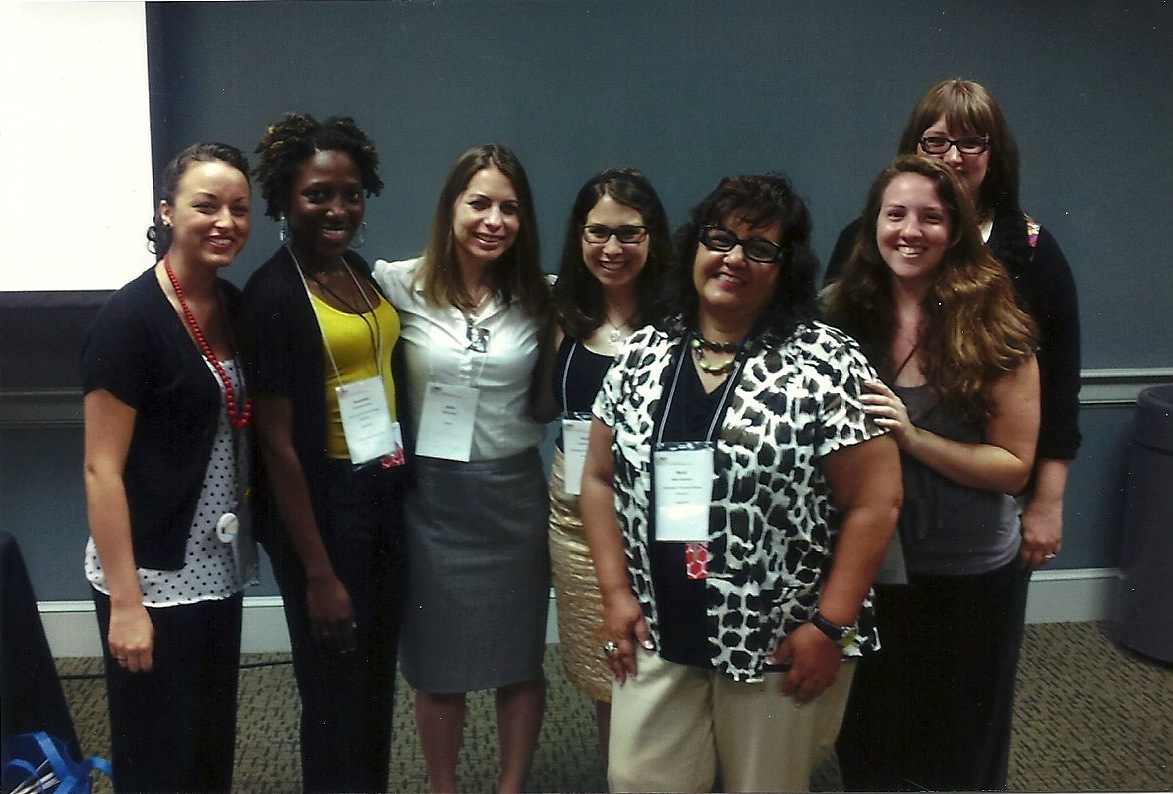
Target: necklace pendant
<point>616,336</point>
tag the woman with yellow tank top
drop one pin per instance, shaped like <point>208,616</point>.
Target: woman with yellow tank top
<point>332,466</point>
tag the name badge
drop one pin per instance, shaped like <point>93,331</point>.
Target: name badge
<point>683,478</point>
<point>446,422</point>
<point>366,421</point>
<point>576,432</point>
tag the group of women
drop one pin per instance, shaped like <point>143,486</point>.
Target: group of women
<point>736,464</point>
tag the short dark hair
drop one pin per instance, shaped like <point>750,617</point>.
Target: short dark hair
<point>159,235</point>
<point>756,200</point>
<point>293,140</point>
<point>577,296</point>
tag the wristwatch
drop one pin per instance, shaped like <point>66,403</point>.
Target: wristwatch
<point>842,636</point>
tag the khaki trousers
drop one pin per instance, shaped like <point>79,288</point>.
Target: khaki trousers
<point>673,727</point>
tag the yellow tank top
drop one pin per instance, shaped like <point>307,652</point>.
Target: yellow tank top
<point>352,340</point>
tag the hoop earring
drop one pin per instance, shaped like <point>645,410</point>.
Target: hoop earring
<point>281,228</point>
<point>360,239</point>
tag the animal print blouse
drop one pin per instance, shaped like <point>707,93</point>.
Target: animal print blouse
<point>774,523</point>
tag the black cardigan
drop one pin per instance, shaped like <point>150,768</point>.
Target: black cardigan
<point>284,353</point>
<point>138,349</point>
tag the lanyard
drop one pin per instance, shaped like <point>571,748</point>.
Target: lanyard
<point>378,341</point>
<point>566,375</point>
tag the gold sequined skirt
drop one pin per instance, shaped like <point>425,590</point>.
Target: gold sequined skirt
<point>576,590</point>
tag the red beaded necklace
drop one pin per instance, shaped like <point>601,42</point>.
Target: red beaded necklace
<point>238,420</point>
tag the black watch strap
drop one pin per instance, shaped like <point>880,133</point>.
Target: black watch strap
<point>840,635</point>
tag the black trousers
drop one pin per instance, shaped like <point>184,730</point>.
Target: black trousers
<point>174,728</point>
<point>932,710</point>
<point>347,698</point>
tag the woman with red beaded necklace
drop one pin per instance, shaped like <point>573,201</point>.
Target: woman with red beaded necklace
<point>166,418</point>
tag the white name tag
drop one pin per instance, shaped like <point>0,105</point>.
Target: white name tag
<point>576,432</point>
<point>366,421</point>
<point>684,491</point>
<point>446,422</point>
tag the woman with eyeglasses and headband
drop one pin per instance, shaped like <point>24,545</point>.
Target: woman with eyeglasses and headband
<point>474,308</point>
<point>937,315</point>
<point>737,503</point>
<point>960,123</point>
<point>617,247</point>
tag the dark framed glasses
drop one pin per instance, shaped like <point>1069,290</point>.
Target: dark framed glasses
<point>629,234</point>
<point>939,144</point>
<point>759,249</point>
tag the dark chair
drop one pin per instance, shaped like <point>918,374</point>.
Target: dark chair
<point>30,691</point>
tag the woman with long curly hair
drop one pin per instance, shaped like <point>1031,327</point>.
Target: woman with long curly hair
<point>936,314</point>
<point>960,123</point>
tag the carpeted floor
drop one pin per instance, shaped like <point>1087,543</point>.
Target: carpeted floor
<point>1090,716</point>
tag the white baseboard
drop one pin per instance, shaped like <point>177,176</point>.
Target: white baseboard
<point>1085,594</point>
<point>72,629</point>
<point>1072,596</point>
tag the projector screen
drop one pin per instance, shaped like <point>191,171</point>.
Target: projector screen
<point>75,145</point>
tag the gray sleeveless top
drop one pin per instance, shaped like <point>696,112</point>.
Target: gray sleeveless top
<point>947,528</point>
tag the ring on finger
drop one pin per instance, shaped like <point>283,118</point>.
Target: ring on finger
<point>610,648</point>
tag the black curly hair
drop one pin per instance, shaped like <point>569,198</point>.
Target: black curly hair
<point>757,200</point>
<point>293,140</point>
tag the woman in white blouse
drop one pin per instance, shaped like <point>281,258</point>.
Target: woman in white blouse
<point>473,309</point>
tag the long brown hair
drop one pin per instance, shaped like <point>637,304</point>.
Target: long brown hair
<point>975,331</point>
<point>517,274</point>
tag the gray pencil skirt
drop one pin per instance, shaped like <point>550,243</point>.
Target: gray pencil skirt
<point>479,580</point>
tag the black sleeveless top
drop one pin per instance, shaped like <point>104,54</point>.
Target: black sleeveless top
<point>578,375</point>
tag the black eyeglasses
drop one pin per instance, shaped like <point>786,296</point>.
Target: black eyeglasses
<point>628,234</point>
<point>759,249</point>
<point>939,144</point>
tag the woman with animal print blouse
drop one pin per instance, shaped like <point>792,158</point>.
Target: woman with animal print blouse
<point>738,502</point>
